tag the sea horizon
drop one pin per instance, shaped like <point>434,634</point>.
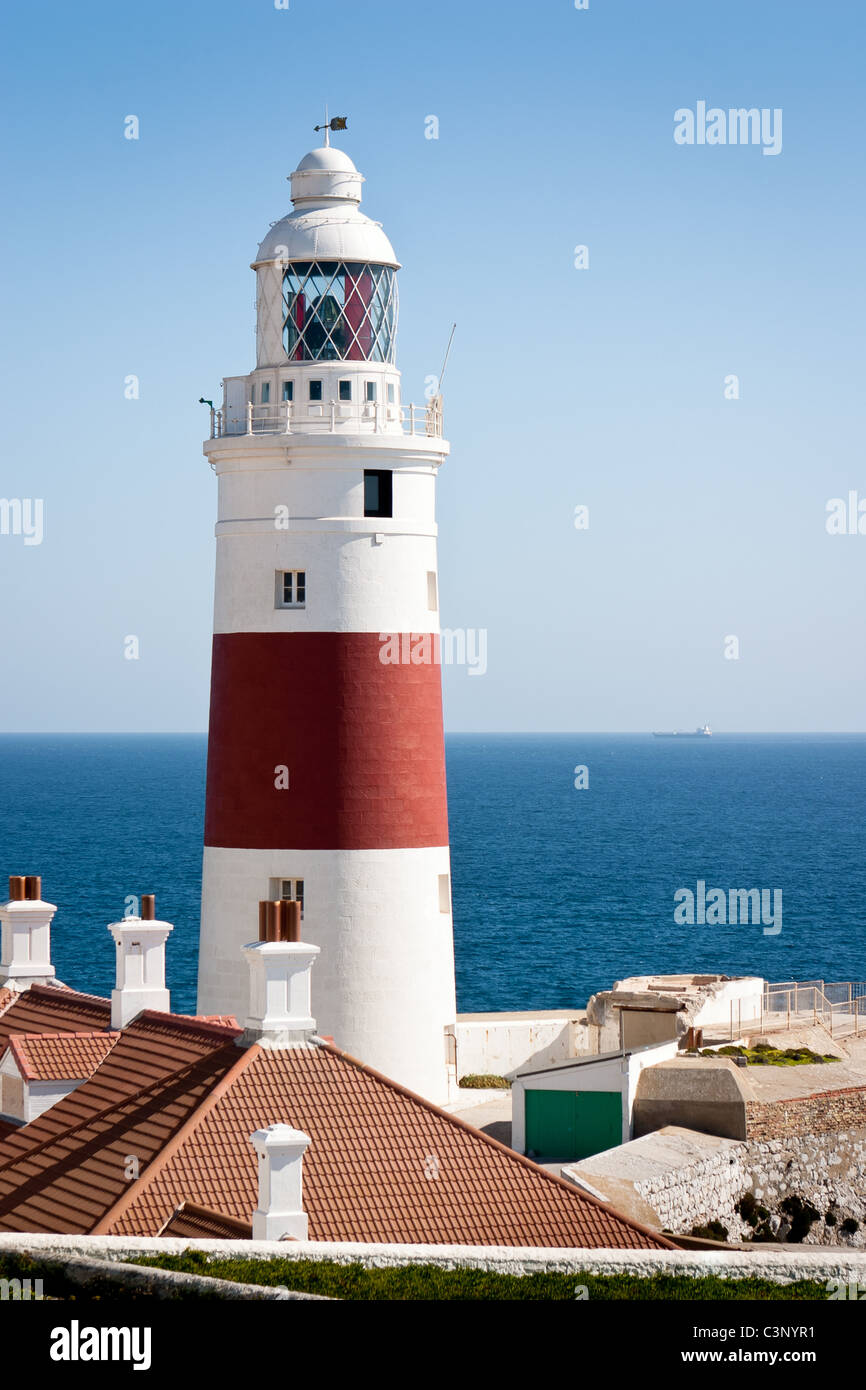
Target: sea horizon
<point>558,890</point>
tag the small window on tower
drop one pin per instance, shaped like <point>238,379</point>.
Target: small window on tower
<point>266,392</point>
<point>288,390</point>
<point>378,492</point>
<point>345,390</point>
<point>370,387</point>
<point>291,588</point>
<point>432,596</point>
<point>315,390</point>
<point>290,889</point>
<point>392,393</point>
<point>444,892</point>
<point>252,395</point>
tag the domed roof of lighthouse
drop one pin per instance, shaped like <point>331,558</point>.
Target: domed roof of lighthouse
<point>326,223</point>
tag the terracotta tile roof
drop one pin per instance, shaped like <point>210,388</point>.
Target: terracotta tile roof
<point>190,1220</point>
<point>47,1009</point>
<point>227,1020</point>
<point>383,1166</point>
<point>60,1056</point>
<point>66,1169</point>
<point>180,1097</point>
<point>6,1127</point>
<point>6,998</point>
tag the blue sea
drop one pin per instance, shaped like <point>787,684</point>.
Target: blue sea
<point>557,891</point>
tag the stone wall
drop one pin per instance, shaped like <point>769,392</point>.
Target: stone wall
<point>806,1115</point>
<point>826,1170</point>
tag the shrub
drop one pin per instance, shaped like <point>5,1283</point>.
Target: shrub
<point>849,1226</point>
<point>713,1230</point>
<point>802,1216</point>
<point>484,1083</point>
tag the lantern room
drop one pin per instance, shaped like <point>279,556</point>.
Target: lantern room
<point>339,312</point>
<point>327,285</point>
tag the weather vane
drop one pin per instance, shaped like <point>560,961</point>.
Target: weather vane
<point>334,123</point>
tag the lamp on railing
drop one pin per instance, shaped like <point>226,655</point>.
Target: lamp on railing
<point>202,401</point>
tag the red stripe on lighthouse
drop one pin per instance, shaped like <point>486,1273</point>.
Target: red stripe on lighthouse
<point>362,742</point>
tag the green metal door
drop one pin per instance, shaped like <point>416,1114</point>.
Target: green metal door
<point>572,1124</point>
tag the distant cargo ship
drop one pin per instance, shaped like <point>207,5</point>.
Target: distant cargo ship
<point>704,732</point>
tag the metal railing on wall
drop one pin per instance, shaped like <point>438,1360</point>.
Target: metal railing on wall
<point>375,417</point>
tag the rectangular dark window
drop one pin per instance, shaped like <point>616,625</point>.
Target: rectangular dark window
<point>252,395</point>
<point>378,492</point>
<point>345,390</point>
<point>266,392</point>
<point>315,390</point>
<point>288,390</point>
<point>370,390</point>
<point>292,589</point>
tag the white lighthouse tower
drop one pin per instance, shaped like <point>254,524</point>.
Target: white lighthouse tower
<point>326,772</point>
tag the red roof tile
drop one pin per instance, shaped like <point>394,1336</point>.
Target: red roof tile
<point>199,1222</point>
<point>60,1056</point>
<point>177,1095</point>
<point>384,1165</point>
<point>66,1169</point>
<point>48,1009</point>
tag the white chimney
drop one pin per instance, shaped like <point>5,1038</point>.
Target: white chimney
<point>280,1213</point>
<point>280,980</point>
<point>25,935</point>
<point>140,945</point>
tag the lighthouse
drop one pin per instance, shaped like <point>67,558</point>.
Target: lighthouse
<point>326,769</point>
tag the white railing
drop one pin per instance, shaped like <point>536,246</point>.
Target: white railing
<point>840,1006</point>
<point>374,417</point>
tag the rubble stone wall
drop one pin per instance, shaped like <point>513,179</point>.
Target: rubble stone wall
<point>827,1170</point>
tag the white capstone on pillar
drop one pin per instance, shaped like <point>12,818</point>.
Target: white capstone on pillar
<point>25,935</point>
<point>280,1213</point>
<point>140,944</point>
<point>280,993</point>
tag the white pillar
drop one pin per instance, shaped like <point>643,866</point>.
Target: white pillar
<point>25,936</point>
<point>140,969</point>
<point>280,1212</point>
<point>280,992</point>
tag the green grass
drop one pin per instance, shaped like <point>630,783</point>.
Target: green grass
<point>419,1283</point>
<point>762,1055</point>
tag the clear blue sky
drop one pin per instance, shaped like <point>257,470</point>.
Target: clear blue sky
<point>602,386</point>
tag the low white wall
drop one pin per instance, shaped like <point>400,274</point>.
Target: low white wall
<point>744,996</point>
<point>501,1046</point>
<point>782,1266</point>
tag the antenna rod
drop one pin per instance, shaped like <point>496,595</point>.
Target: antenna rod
<point>447,355</point>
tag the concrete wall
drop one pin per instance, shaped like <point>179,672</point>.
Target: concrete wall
<point>706,1096</point>
<point>504,1044</point>
<point>744,997</point>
